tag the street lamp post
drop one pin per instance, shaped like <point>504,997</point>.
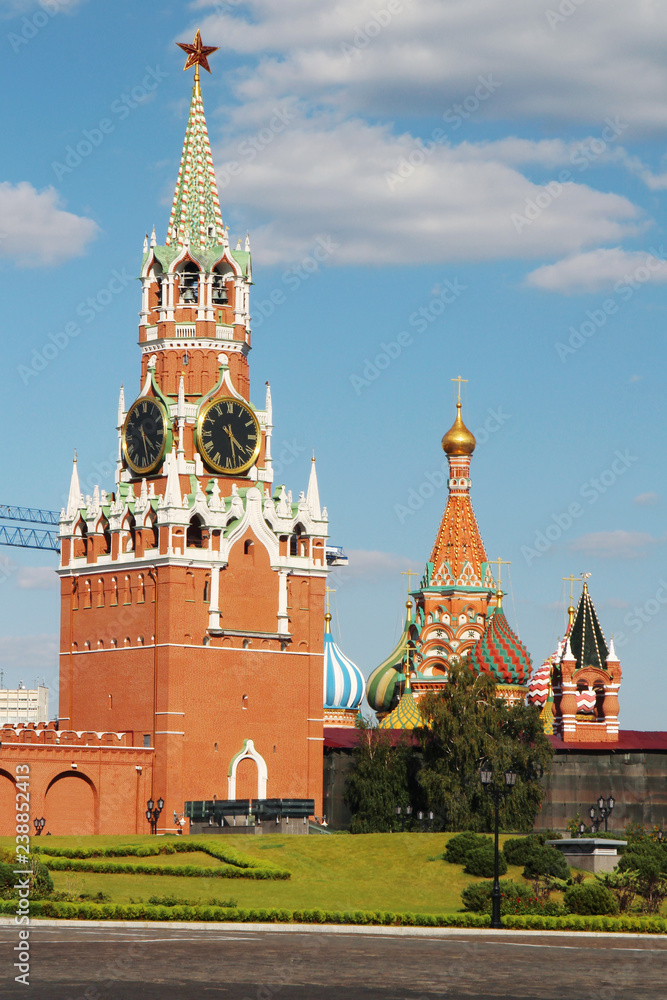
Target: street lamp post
<point>153,811</point>
<point>605,807</point>
<point>486,775</point>
<point>39,825</point>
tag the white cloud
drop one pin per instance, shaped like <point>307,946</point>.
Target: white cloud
<point>35,230</point>
<point>13,8</point>
<point>606,58</point>
<point>387,198</point>
<point>647,499</point>
<point>37,578</point>
<point>614,544</point>
<point>596,270</point>
<point>370,565</point>
<point>27,654</point>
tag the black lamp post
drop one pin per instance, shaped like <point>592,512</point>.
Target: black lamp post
<point>39,825</point>
<point>486,775</point>
<point>605,807</point>
<point>153,811</point>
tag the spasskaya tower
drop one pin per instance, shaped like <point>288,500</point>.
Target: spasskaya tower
<point>193,594</point>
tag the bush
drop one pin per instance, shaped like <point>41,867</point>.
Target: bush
<point>517,849</point>
<point>481,862</point>
<point>460,846</point>
<point>546,861</point>
<point>6,877</point>
<point>515,897</point>
<point>591,899</point>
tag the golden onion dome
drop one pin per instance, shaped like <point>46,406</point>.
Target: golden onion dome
<point>458,440</point>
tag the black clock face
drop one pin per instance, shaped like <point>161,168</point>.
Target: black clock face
<point>228,436</point>
<point>145,435</point>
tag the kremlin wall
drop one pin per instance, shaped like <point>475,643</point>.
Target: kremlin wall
<point>198,584</point>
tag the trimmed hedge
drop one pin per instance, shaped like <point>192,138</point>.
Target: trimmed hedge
<point>184,871</point>
<point>138,911</point>
<point>481,862</point>
<point>239,865</point>
<point>591,898</point>
<point>459,848</point>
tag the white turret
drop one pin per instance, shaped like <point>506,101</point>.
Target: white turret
<point>313,495</point>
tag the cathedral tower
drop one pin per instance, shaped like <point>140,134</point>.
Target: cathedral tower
<point>193,594</point>
<point>458,605</point>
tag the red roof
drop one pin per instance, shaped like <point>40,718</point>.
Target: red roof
<point>628,740</point>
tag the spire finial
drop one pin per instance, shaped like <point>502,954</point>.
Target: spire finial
<point>198,54</point>
<point>585,577</point>
<point>500,563</point>
<point>327,617</point>
<point>570,611</point>
<point>409,573</point>
<point>458,440</point>
<point>459,380</point>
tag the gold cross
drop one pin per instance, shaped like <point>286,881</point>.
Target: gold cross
<point>573,579</point>
<point>500,563</point>
<point>409,573</point>
<point>459,380</point>
<point>329,590</point>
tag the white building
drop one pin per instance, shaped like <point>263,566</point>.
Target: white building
<point>24,705</point>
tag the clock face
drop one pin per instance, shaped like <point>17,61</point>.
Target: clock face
<point>228,436</point>
<point>145,435</point>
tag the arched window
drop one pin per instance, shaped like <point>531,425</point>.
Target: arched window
<point>189,586</point>
<point>296,543</point>
<point>129,524</point>
<point>86,594</point>
<point>151,534</point>
<point>244,701</point>
<point>207,589</point>
<point>127,590</point>
<point>114,591</point>
<point>80,538</point>
<point>194,539</point>
<point>141,590</point>
<point>189,284</point>
<point>100,592</point>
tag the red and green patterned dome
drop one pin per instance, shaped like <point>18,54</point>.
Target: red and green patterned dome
<point>500,652</point>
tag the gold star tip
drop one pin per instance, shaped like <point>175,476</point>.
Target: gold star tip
<point>197,54</point>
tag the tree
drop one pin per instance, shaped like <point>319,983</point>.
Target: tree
<point>380,779</point>
<point>467,725</point>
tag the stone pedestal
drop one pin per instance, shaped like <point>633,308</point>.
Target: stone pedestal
<point>593,854</point>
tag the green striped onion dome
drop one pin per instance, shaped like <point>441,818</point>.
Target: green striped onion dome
<point>500,652</point>
<point>383,685</point>
<point>406,715</point>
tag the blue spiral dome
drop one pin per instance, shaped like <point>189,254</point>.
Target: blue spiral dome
<point>343,680</point>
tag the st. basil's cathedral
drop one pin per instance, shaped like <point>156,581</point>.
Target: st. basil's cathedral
<point>196,658</point>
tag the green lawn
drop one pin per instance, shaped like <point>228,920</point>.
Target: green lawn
<point>398,872</point>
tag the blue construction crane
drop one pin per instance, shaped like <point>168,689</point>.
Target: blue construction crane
<point>29,537</point>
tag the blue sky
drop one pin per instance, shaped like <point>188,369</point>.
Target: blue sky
<point>488,184</point>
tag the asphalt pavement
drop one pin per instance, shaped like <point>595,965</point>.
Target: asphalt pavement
<point>74,961</point>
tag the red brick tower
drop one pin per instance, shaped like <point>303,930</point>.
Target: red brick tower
<point>193,595</point>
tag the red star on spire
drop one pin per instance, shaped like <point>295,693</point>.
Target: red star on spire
<point>197,53</point>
